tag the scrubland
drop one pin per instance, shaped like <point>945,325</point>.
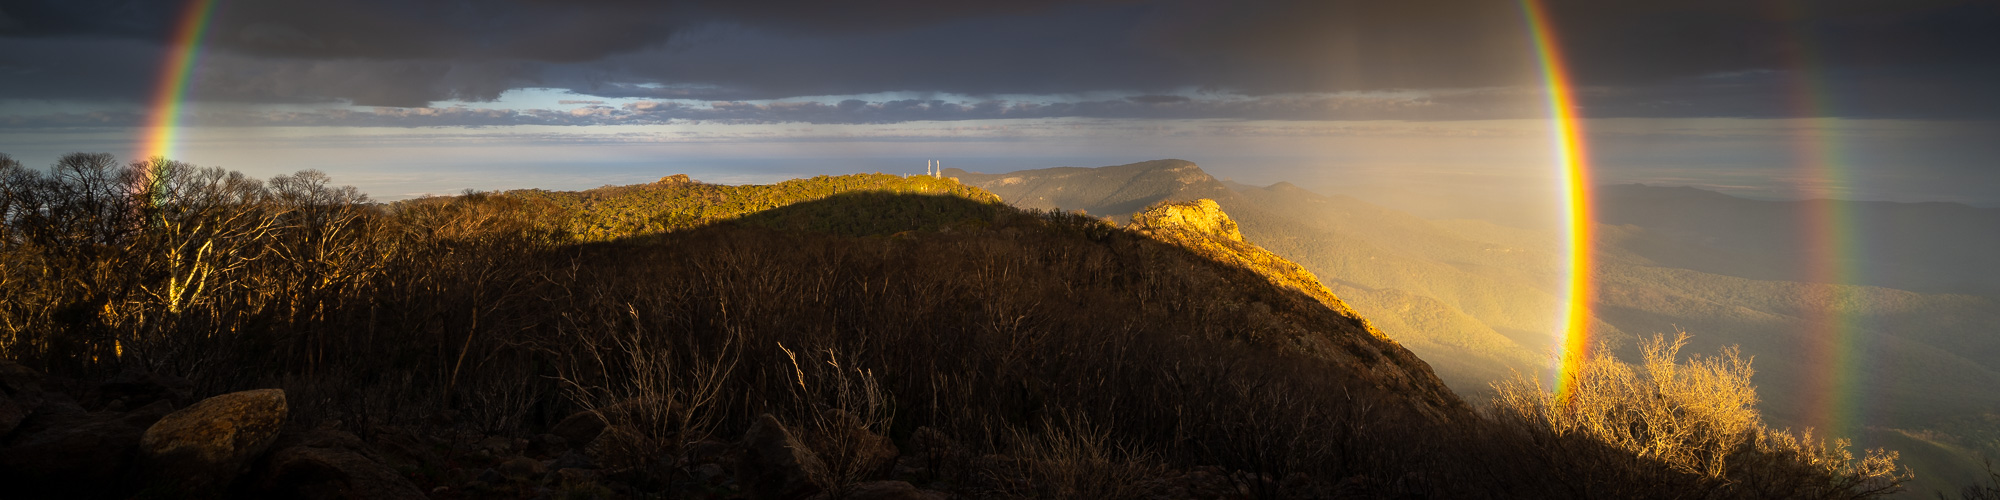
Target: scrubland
<point>1005,353</point>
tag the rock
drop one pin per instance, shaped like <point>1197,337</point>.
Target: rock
<point>11,414</point>
<point>1202,216</point>
<point>708,473</point>
<point>203,447</point>
<point>676,179</point>
<point>20,394</point>
<point>775,465</point>
<point>331,473</point>
<point>572,460</point>
<point>522,468</point>
<point>73,454</point>
<point>620,447</point>
<point>16,378</point>
<point>709,450</point>
<point>397,445</point>
<point>547,445</point>
<point>576,477</point>
<point>579,428</point>
<point>495,445</point>
<point>889,490</point>
<point>863,450</point>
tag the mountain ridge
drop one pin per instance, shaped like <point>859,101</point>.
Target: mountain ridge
<point>1460,293</point>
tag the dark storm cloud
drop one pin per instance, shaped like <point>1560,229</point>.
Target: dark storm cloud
<point>1919,58</point>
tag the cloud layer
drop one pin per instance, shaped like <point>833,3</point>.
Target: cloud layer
<point>1916,58</point>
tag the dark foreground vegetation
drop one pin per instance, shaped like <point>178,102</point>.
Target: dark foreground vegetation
<point>867,336</point>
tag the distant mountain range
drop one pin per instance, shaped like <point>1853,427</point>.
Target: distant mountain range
<point>1477,300</point>
<point>1924,247</point>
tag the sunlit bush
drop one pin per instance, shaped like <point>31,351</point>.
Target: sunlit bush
<point>1695,417</point>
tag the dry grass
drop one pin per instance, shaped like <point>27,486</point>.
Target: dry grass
<point>1067,457</point>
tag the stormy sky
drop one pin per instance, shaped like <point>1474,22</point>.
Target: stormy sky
<point>416,95</point>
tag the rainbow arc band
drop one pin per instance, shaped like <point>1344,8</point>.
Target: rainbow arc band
<point>1834,341</point>
<point>184,49</point>
<point>1573,162</point>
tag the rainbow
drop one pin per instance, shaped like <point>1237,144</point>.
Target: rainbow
<point>1572,161</point>
<point>183,51</point>
<point>1831,331</point>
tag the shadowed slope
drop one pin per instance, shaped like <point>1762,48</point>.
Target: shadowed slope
<point>1231,290</point>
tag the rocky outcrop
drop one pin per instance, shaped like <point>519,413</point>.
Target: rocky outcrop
<point>1202,226</point>
<point>776,465</point>
<point>74,454</point>
<point>203,447</point>
<point>20,394</point>
<point>326,464</point>
<point>1203,217</point>
<point>51,446</point>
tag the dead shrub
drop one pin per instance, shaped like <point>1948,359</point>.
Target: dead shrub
<point>1694,418</point>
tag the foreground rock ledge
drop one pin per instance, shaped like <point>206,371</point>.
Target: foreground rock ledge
<point>203,447</point>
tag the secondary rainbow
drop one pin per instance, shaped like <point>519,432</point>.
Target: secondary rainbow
<point>183,51</point>
<point>1573,165</point>
<point>1831,329</point>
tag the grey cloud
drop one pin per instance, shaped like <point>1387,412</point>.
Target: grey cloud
<point>1158,99</point>
<point>96,119</point>
<point>76,69</point>
<point>1469,105</point>
<point>1650,55</point>
<point>405,83</point>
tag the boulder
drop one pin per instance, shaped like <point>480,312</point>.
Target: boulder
<point>11,414</point>
<point>620,447</point>
<point>572,460</point>
<point>579,428</point>
<point>401,446</point>
<point>73,454</point>
<point>18,379</point>
<point>775,465</point>
<point>522,468</point>
<point>862,450</point>
<point>203,447</point>
<point>576,477</point>
<point>331,473</point>
<point>889,490</point>
<point>20,394</point>
<point>547,445</point>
